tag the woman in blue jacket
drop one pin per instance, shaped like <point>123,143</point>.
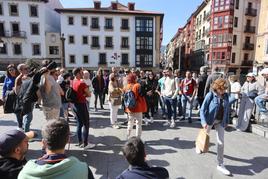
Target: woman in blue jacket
<point>9,82</point>
<point>215,112</point>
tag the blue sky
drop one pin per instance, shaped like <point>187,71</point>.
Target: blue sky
<point>176,11</point>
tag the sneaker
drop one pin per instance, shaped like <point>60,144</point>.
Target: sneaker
<point>223,170</point>
<point>172,125</point>
<point>189,120</point>
<point>151,120</point>
<point>89,146</point>
<point>115,126</point>
<point>166,123</point>
<point>197,150</point>
<point>146,121</point>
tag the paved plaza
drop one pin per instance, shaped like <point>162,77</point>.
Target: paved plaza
<point>246,154</point>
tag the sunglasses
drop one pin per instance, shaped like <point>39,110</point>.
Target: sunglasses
<point>11,69</point>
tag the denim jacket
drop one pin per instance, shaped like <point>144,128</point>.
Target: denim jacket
<point>210,108</point>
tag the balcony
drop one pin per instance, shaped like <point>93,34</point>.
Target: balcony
<point>125,62</point>
<point>125,46</point>
<point>108,27</point>
<point>247,63</point>
<point>250,29</point>
<point>124,28</point>
<point>248,46</point>
<point>95,46</point>
<point>96,27</point>
<point>109,46</point>
<point>16,34</point>
<point>251,12</point>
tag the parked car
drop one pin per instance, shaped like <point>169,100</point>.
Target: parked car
<point>2,76</point>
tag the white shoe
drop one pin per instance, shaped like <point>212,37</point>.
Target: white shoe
<point>20,129</point>
<point>146,121</point>
<point>115,126</point>
<point>223,170</point>
<point>172,125</point>
<point>197,150</point>
<point>151,120</point>
<point>166,123</point>
<point>89,146</point>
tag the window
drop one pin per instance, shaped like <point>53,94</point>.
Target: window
<point>236,22</point>
<point>1,9</point>
<point>144,43</point>
<point>3,50</point>
<point>237,4</point>
<point>124,24</point>
<point>144,60</point>
<point>108,42</point>
<point>124,42</point>
<point>35,29</point>
<point>33,11</point>
<point>53,50</point>
<point>267,47</point>
<point>72,59</point>
<point>2,29</point>
<point>36,49</point>
<point>95,41</point>
<point>13,8</point>
<point>84,21</point>
<point>17,49</point>
<point>71,39</point>
<point>144,25</point>
<point>95,23</point>
<point>108,23</point>
<point>246,55</point>
<point>125,59</point>
<point>85,40</point>
<point>71,20</point>
<point>234,39</point>
<point>85,58</point>
<point>15,27</point>
<point>203,34</point>
<point>102,58</point>
<point>247,40</point>
<point>223,55</point>
<point>233,57</point>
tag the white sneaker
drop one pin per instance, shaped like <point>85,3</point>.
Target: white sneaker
<point>197,150</point>
<point>151,120</point>
<point>115,126</point>
<point>89,146</point>
<point>166,123</point>
<point>172,125</point>
<point>223,170</point>
<point>146,121</point>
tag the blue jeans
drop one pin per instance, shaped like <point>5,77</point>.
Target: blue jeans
<point>261,102</point>
<point>82,117</point>
<point>25,121</point>
<point>171,107</point>
<point>163,105</point>
<point>185,101</point>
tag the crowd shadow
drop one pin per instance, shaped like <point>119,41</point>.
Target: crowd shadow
<point>254,165</point>
<point>7,122</point>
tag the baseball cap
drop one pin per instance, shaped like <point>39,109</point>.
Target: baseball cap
<point>251,75</point>
<point>11,139</point>
<point>264,71</point>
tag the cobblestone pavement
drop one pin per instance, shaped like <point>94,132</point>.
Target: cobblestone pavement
<point>246,154</point>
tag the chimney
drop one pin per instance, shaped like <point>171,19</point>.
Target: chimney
<point>97,4</point>
<point>114,5</point>
<point>131,6</point>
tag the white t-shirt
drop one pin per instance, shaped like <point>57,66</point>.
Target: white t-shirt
<point>235,87</point>
<point>89,84</point>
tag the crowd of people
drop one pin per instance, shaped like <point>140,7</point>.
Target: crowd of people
<point>217,97</point>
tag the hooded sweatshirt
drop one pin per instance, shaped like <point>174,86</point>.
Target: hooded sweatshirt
<point>69,168</point>
<point>10,167</point>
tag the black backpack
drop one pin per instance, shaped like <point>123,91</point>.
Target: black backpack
<point>10,102</point>
<point>70,95</point>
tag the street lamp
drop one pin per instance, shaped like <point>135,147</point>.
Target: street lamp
<point>1,43</point>
<point>62,38</point>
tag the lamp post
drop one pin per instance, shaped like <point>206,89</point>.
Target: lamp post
<point>62,38</point>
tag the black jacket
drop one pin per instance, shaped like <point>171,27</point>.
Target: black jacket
<point>201,85</point>
<point>98,87</point>
<point>10,167</point>
<point>144,172</point>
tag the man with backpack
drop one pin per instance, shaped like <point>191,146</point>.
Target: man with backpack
<point>188,91</point>
<point>82,115</point>
<point>135,105</point>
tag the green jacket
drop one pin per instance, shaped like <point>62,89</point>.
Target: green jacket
<point>69,168</point>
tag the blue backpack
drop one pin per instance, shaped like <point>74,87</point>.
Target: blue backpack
<point>130,99</point>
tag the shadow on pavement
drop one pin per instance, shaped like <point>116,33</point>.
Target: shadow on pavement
<point>255,165</point>
<point>7,122</point>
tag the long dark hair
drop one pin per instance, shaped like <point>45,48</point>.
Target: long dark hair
<point>7,71</point>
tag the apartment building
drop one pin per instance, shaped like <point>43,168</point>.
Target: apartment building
<point>112,36</point>
<point>23,27</point>
<point>261,52</point>
<point>224,36</point>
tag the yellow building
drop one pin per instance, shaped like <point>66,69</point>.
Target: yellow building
<point>261,54</point>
